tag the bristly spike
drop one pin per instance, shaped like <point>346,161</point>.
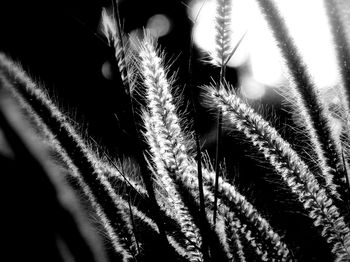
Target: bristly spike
<point>73,150</point>
<point>221,56</point>
<point>347,174</point>
<point>163,119</point>
<point>152,138</point>
<point>287,164</point>
<point>52,214</point>
<point>111,29</point>
<point>233,238</point>
<point>314,113</point>
<point>341,46</point>
<point>263,234</point>
<point>342,52</point>
<point>126,64</point>
<point>222,32</point>
<point>196,122</point>
<point>238,204</point>
<point>169,154</point>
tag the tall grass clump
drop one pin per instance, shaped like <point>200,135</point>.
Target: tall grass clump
<point>170,202</point>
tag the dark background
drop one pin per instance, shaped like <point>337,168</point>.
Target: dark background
<point>60,44</point>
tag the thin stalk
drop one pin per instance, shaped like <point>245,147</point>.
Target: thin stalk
<point>346,174</point>
<point>219,125</point>
<point>133,226</point>
<point>218,144</point>
<point>195,117</point>
<point>219,58</point>
<point>171,227</point>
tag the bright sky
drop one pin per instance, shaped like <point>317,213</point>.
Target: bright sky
<point>258,53</point>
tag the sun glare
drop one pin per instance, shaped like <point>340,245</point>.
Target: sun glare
<point>258,53</point>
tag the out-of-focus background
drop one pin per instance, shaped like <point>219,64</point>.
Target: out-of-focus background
<point>61,45</point>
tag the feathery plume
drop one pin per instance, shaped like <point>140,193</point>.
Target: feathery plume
<point>286,162</point>
<point>341,47</point>
<point>151,225</point>
<point>342,51</point>
<point>116,39</point>
<point>188,180</point>
<point>220,57</point>
<point>74,152</point>
<point>233,238</point>
<point>248,214</point>
<point>162,116</point>
<point>126,64</point>
<point>232,204</point>
<point>314,114</point>
<point>52,216</point>
<point>86,189</point>
<point>222,33</point>
<point>163,132</point>
<point>262,231</point>
<point>127,68</point>
<point>250,224</point>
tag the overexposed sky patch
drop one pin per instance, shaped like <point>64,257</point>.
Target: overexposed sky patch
<point>306,21</point>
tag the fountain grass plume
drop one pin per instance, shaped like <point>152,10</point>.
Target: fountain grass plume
<point>252,225</point>
<point>293,171</point>
<point>342,50</point>
<point>166,124</point>
<point>53,202</point>
<point>83,163</point>
<point>220,57</point>
<point>168,148</point>
<point>190,184</point>
<point>314,113</point>
<point>222,33</point>
<point>234,242</point>
<point>341,47</point>
<point>125,58</point>
<point>110,26</point>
